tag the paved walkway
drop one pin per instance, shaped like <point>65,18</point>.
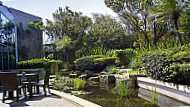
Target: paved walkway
<point>37,101</point>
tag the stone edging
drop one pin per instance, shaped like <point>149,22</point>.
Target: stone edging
<point>76,100</point>
<point>175,91</point>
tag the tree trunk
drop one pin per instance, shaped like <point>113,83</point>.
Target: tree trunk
<point>177,33</point>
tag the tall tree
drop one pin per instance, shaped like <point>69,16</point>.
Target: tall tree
<point>170,9</point>
<point>108,33</point>
<point>135,13</point>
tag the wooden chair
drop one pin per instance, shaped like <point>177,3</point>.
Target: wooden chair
<point>10,83</point>
<point>45,84</point>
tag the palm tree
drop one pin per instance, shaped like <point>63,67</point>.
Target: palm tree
<point>64,45</point>
<point>169,9</point>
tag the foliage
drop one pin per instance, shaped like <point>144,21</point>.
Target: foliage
<point>64,45</point>
<point>137,71</point>
<point>167,64</point>
<point>79,83</point>
<point>101,63</point>
<point>109,33</point>
<point>62,83</point>
<point>112,69</point>
<point>125,56</point>
<point>94,62</point>
<point>123,89</point>
<point>37,63</point>
<point>153,96</point>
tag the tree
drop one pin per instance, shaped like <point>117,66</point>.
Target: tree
<point>64,45</point>
<point>135,15</point>
<point>170,9</point>
<point>108,33</point>
<point>71,24</point>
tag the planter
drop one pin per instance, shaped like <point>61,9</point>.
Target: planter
<point>175,91</point>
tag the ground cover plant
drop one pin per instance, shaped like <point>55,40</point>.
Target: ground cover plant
<point>79,83</point>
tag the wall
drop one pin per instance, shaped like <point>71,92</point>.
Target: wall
<point>29,40</point>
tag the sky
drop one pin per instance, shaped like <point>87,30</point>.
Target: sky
<point>45,8</point>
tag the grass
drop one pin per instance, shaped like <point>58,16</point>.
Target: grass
<point>123,89</point>
<point>79,83</point>
<point>153,96</point>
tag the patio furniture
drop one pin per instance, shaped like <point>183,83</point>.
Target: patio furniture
<point>45,84</point>
<point>29,82</point>
<point>10,83</point>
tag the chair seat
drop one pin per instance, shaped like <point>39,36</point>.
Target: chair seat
<point>21,86</point>
<point>28,82</point>
<point>39,84</point>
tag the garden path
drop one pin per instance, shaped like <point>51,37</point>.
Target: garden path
<point>37,101</point>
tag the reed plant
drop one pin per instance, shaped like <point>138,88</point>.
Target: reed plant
<point>79,83</point>
<point>123,89</point>
<point>153,96</point>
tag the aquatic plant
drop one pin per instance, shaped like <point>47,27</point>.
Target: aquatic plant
<point>79,83</point>
<point>123,89</point>
<point>153,96</point>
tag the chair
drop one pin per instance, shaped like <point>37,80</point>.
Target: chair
<point>45,84</point>
<point>10,83</point>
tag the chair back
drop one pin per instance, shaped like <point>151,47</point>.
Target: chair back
<point>9,81</point>
<point>46,79</point>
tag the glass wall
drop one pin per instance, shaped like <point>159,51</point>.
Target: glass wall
<point>7,44</point>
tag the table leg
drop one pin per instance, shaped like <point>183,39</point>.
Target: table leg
<point>37,87</point>
<point>30,89</point>
<point>10,95</point>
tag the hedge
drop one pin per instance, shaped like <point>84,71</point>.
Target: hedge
<point>37,63</point>
<point>125,56</point>
<point>94,63</point>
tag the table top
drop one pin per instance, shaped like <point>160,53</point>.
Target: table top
<point>32,74</point>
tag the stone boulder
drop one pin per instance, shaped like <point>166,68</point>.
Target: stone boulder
<point>107,79</point>
<point>94,79</point>
<point>83,76</point>
<point>72,75</point>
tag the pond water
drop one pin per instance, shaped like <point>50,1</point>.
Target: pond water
<point>106,96</point>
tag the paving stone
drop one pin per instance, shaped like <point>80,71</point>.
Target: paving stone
<point>38,101</point>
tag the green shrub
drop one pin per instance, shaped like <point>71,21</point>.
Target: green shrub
<point>79,83</point>
<point>125,56</point>
<point>112,69</point>
<point>167,64</point>
<point>94,62</point>
<point>37,63</point>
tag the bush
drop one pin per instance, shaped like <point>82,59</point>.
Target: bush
<point>94,62</point>
<point>37,63</point>
<point>125,56</point>
<point>79,83</point>
<point>167,64</point>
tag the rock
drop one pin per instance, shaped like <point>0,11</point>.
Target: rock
<point>88,73</point>
<point>106,87</point>
<point>133,78</point>
<point>72,75</point>
<point>103,73</point>
<point>94,79</point>
<point>78,73</point>
<point>107,79</point>
<point>84,76</point>
<point>63,70</point>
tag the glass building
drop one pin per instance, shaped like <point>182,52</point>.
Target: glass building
<point>8,40</point>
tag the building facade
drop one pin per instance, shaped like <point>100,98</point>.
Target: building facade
<point>8,40</point>
<point>18,41</point>
<point>29,39</point>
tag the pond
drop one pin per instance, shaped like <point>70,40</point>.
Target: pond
<point>106,96</point>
